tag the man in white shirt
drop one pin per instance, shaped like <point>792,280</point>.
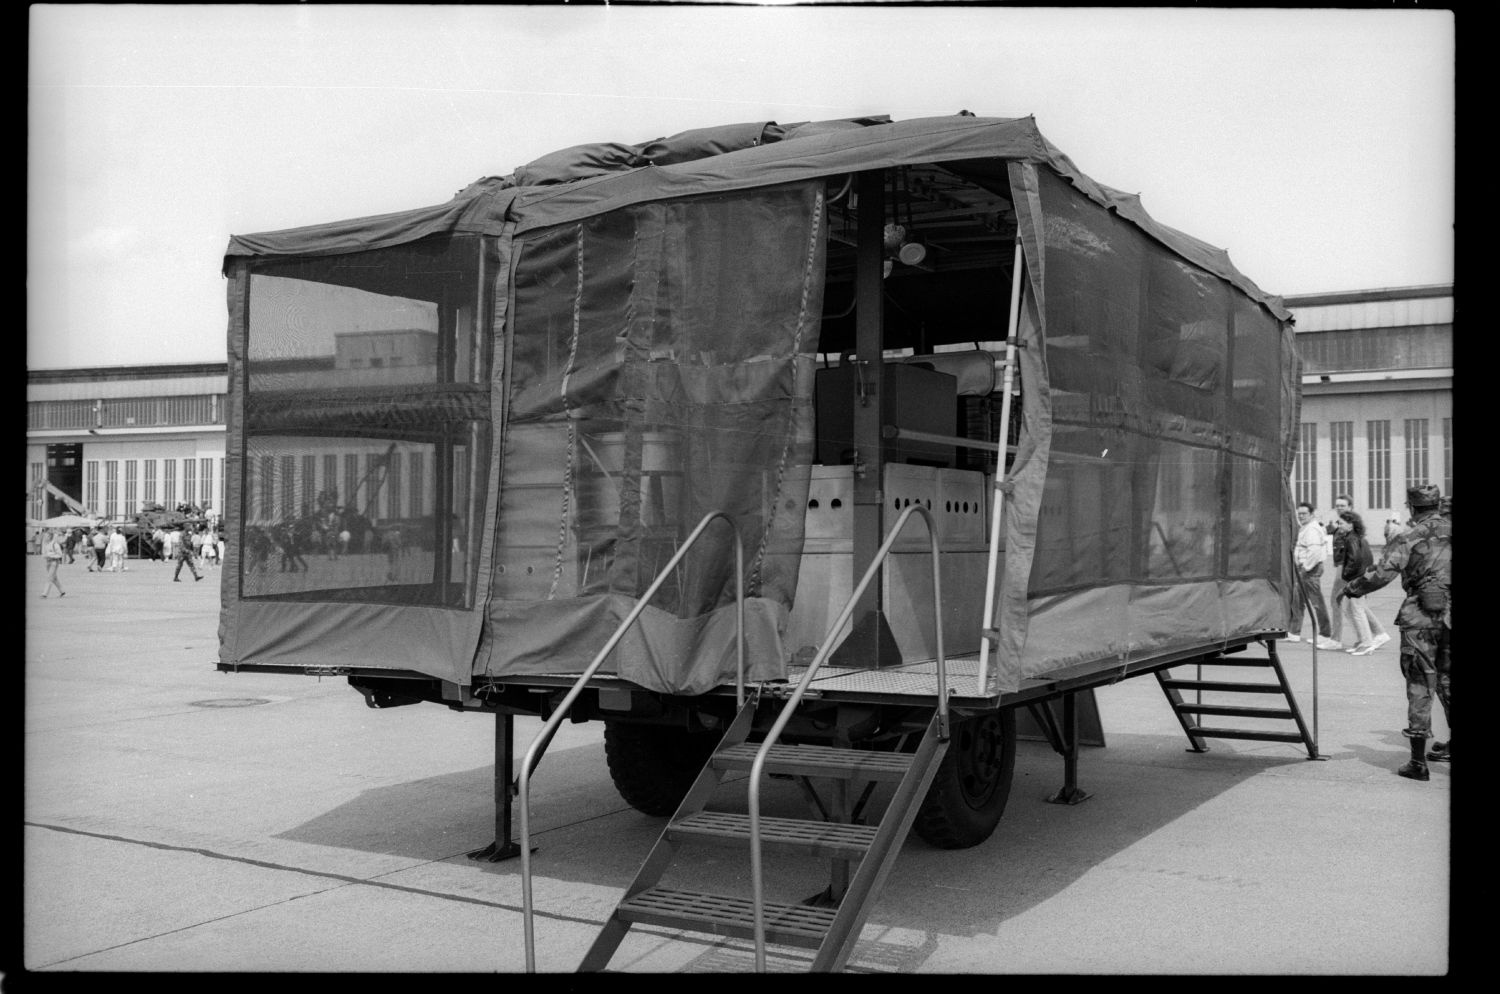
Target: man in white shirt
<point>1311,550</point>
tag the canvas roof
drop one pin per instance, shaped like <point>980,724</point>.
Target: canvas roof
<point>587,180</point>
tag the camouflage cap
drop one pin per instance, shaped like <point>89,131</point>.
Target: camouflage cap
<point>1426,495</point>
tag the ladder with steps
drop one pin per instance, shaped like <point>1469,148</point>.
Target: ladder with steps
<point>549,727</point>
<point>1189,713</point>
<point>839,837</point>
<point>830,931</point>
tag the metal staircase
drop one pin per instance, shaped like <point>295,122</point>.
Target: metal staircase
<point>831,923</point>
<point>1189,713</point>
<point>869,849</point>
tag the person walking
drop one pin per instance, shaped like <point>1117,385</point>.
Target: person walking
<point>1357,558</point>
<point>1310,551</point>
<point>185,557</point>
<point>1341,503</point>
<point>52,556</point>
<point>1423,558</point>
<point>114,551</point>
<point>1378,634</point>
<point>98,540</point>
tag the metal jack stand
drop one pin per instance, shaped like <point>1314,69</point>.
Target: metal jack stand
<point>1070,793</point>
<point>504,847</point>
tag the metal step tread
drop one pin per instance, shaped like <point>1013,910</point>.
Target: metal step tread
<point>1235,710</point>
<point>815,837</point>
<point>788,924</point>
<point>1226,686</point>
<point>817,761</point>
<point>1245,733</point>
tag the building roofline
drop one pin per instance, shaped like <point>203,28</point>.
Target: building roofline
<point>1368,296</point>
<point>154,371</point>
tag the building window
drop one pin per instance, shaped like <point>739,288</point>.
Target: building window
<point>330,492</point>
<point>1448,456</point>
<point>1341,451</point>
<point>1378,434</point>
<point>169,482</point>
<point>393,486</point>
<point>111,487</point>
<point>309,484</point>
<point>205,483</point>
<point>42,415</point>
<point>288,508</point>
<point>267,508</point>
<point>148,484</point>
<point>1416,452</point>
<point>415,504</point>
<point>189,481</point>
<point>351,479</point>
<point>1307,463</point>
<point>1355,349</point>
<point>91,484</point>
<point>131,507</point>
<point>38,492</point>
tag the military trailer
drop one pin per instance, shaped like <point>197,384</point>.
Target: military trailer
<point>826,451</point>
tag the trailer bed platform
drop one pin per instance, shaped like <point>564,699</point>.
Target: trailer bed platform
<point>917,681</point>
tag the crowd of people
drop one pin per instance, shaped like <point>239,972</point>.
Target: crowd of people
<point>1420,553</point>
<point>105,549</point>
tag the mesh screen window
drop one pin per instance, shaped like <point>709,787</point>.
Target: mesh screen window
<point>366,424</point>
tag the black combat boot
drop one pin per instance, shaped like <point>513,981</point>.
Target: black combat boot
<point>1417,768</point>
<point>1439,752</point>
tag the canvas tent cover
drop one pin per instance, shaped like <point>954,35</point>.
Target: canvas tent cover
<point>464,438</point>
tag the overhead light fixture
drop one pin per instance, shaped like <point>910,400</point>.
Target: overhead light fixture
<point>901,242</point>
<point>895,236</point>
<point>901,246</point>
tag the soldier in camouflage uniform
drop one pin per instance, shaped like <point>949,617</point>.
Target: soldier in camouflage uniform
<point>1439,751</point>
<point>1423,557</point>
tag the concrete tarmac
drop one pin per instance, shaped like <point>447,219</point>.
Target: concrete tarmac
<point>182,819</point>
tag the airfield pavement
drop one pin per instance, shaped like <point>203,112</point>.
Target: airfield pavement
<point>178,819</point>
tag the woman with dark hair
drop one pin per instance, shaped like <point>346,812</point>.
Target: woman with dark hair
<point>1357,559</point>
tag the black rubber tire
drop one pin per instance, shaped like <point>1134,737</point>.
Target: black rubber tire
<point>968,794</point>
<point>654,765</point>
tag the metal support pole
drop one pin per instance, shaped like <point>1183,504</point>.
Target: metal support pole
<point>1315,683</point>
<point>504,847</point>
<point>988,633</point>
<point>869,400</point>
<point>1069,794</point>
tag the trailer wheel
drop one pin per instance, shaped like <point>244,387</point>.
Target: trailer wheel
<point>968,794</point>
<point>654,765</point>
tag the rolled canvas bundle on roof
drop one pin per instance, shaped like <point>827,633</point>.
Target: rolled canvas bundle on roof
<point>492,421</point>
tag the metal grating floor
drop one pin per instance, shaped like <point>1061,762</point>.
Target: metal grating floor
<point>909,680</point>
<point>917,679</point>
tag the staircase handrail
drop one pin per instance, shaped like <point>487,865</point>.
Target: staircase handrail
<point>561,711</point>
<point>822,655</point>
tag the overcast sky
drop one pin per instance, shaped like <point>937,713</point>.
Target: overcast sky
<point>1317,146</point>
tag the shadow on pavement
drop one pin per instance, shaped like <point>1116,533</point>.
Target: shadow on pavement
<point>585,833</point>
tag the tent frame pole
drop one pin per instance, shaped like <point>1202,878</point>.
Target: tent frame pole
<point>989,633</point>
